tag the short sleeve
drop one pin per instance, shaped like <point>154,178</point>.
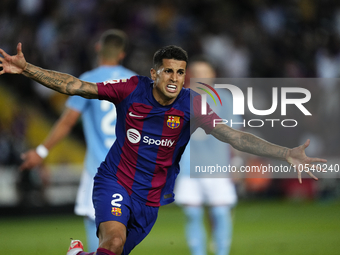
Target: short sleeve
<point>117,90</point>
<point>205,121</point>
<point>77,103</point>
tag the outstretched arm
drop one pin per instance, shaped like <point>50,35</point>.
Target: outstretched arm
<point>61,82</point>
<point>249,143</point>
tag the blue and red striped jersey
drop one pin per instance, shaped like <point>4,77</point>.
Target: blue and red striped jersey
<point>150,137</point>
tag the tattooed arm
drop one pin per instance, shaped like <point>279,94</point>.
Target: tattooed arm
<point>247,142</point>
<point>63,83</point>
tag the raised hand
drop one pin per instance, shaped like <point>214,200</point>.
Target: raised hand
<point>12,64</point>
<point>302,163</point>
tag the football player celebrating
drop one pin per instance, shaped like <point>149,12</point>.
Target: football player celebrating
<point>139,172</point>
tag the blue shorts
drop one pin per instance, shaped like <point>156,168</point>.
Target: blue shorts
<point>113,203</point>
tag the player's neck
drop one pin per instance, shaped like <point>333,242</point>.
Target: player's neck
<point>108,62</point>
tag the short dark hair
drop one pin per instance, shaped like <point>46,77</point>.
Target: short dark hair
<point>112,42</point>
<point>169,52</point>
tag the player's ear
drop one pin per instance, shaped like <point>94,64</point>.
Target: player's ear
<point>153,74</point>
<point>97,47</point>
<point>121,55</point>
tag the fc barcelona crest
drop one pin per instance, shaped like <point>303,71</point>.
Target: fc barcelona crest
<point>116,211</point>
<point>173,122</point>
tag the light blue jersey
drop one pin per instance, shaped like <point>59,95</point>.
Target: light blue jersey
<point>98,117</point>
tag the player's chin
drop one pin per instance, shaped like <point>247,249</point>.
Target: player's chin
<point>172,95</point>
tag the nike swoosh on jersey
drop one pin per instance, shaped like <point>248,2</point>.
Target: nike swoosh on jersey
<point>134,115</point>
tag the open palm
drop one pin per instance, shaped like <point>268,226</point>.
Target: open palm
<point>302,163</point>
<point>12,64</point>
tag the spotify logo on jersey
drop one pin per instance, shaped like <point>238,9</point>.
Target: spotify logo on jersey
<point>133,135</point>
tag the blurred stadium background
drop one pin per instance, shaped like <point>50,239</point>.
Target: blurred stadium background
<point>245,38</point>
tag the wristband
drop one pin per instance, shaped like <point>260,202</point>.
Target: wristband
<point>42,151</point>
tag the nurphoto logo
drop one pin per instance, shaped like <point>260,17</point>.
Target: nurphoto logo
<point>238,98</point>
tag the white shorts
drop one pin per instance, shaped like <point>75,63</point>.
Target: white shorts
<point>205,191</point>
<point>84,205</point>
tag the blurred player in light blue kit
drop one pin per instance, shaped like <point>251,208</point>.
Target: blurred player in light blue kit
<point>99,121</point>
<point>217,193</point>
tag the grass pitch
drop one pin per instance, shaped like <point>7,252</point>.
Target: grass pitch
<point>269,227</point>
